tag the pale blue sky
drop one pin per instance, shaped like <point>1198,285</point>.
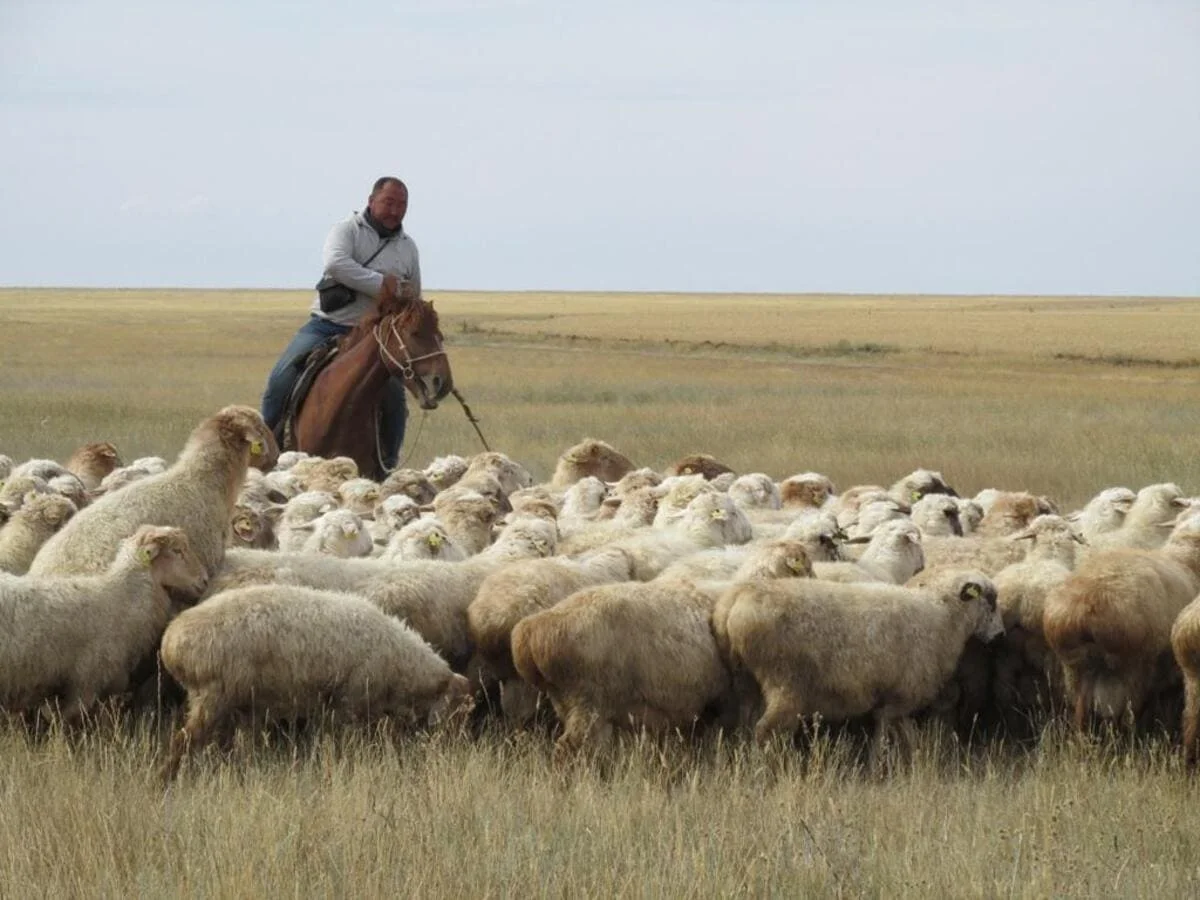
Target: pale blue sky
<point>953,146</point>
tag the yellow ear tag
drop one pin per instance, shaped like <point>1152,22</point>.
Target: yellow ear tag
<point>914,496</point>
<point>435,541</point>
<point>718,514</point>
<point>686,470</point>
<point>794,564</point>
<point>973,592</point>
<point>145,557</point>
<point>256,447</point>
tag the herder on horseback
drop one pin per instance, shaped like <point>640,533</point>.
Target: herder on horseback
<point>371,289</point>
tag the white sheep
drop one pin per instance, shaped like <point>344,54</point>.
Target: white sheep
<point>411,483</point>
<point>423,539</point>
<point>937,515</point>
<point>359,496</point>
<point>710,520</point>
<point>1104,513</point>
<point>279,652</point>
<point>75,639</point>
<point>467,516</point>
<point>197,494</point>
<point>39,517</point>
<point>847,650</point>
<point>511,475</point>
<point>72,488</point>
<point>445,471</point>
<point>1149,521</point>
<point>338,532</point>
<point>583,498</point>
<point>916,484</point>
<point>16,488</point>
<point>390,515</point>
<point>299,513</point>
<point>289,458</point>
<point>44,469</point>
<point>893,555</point>
<point>755,491</point>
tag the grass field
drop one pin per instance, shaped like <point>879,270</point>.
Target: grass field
<point>1062,396</point>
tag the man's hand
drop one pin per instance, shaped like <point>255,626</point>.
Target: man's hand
<point>387,291</point>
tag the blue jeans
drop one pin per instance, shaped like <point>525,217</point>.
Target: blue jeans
<point>287,372</point>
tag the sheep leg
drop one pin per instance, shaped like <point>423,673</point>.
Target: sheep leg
<point>782,713</point>
<point>519,701</point>
<point>582,728</point>
<point>1191,721</point>
<point>1084,690</point>
<point>204,718</point>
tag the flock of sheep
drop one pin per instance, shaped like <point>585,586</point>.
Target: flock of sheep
<point>273,587</point>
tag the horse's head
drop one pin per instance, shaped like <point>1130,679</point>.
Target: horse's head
<point>410,344</point>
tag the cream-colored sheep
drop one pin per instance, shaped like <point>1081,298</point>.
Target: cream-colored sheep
<point>590,457</point>
<point>521,589</point>
<point>1028,679</point>
<point>467,516</point>
<point>259,493</point>
<point>91,462</point>
<point>280,652</point>
<point>755,491</point>
<point>1104,513</point>
<point>1011,512</point>
<point>970,514</point>
<point>893,555</point>
<point>390,515</point>
<point>511,475</point>
<point>937,516</point>
<point>738,561</point>
<point>675,494</point>
<point>423,539</point>
<point>847,650</point>
<point>1149,521</point>
<point>445,471</point>
<point>987,555</point>
<point>710,520</point>
<point>16,488</point>
<point>196,494</point>
<point>1109,624</point>
<point>582,500</point>
<point>72,640</point>
<point>636,479</point>
<point>155,465</point>
<point>411,483</point>
<point>916,484</point>
<point>359,496</point>
<point>289,458</point>
<point>39,517</point>
<point>318,473</point>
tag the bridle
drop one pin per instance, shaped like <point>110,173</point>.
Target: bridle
<point>405,365</point>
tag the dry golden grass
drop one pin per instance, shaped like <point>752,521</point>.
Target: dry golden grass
<point>1061,396</point>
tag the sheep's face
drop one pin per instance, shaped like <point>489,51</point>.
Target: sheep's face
<point>341,533</point>
<point>638,478</point>
<point>411,483</point>
<point>783,558</point>
<point>937,515</point>
<point>585,496</point>
<point>47,512</point>
<point>1053,538</point>
<point>755,491</point>
<point>445,471</point>
<point>424,539</point>
<point>254,528</point>
<point>359,495</point>
<point>168,554</point>
<point>915,485</point>
<point>536,507</point>
<point>303,508</point>
<point>980,594</point>
<point>397,511</point>
<point>243,429</point>
<point>288,459</point>
<point>700,464</point>
<point>1159,504</point>
<point>805,492</point>
<point>454,704</point>
<point>970,514</point>
<point>527,539</point>
<point>511,475</point>
<point>714,520</point>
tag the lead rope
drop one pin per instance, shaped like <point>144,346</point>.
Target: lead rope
<point>407,456</point>
<point>470,417</point>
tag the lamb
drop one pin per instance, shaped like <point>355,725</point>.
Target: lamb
<point>518,590</point>
<point>846,650</point>
<point>282,651</point>
<point>1027,676</point>
<point>631,654</point>
<point>39,517</point>
<point>445,471</point>
<point>75,639</point>
<point>423,539</point>
<point>197,494</point>
<point>590,458</point>
<point>755,491</point>
<point>410,483</point>
<point>254,527</point>
<point>1109,624</point>
<point>893,555</point>
<point>1104,513</point>
<point>338,532</point>
<point>298,515</point>
<point>527,504</point>
<point>91,462</point>
<point>937,516</point>
<point>1150,519</point>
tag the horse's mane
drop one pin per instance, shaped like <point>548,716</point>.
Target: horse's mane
<point>416,315</point>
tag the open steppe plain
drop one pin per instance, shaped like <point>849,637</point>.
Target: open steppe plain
<point>1061,396</point>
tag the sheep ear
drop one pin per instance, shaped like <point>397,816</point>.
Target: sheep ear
<point>273,513</point>
<point>971,591</point>
<point>277,496</point>
<point>147,552</point>
<point>861,539</point>
<point>1025,535</point>
<point>307,526</point>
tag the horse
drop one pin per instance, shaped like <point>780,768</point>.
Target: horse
<point>398,337</point>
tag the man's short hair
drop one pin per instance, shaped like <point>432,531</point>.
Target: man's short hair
<point>381,183</point>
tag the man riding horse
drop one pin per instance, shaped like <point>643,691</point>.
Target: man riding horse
<point>370,263</point>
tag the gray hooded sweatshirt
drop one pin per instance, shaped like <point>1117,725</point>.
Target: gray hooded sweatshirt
<point>352,240</point>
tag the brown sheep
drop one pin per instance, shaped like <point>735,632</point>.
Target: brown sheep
<point>92,462</point>
<point>700,464</point>
<point>1185,643</point>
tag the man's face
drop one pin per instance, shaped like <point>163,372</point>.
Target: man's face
<point>389,204</point>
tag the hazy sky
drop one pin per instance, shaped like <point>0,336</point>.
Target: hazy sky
<point>878,145</point>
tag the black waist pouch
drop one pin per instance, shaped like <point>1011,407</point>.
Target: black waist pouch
<point>333,295</point>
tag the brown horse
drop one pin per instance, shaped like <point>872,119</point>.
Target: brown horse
<point>397,338</point>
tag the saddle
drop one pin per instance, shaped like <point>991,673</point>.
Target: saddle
<point>310,367</point>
